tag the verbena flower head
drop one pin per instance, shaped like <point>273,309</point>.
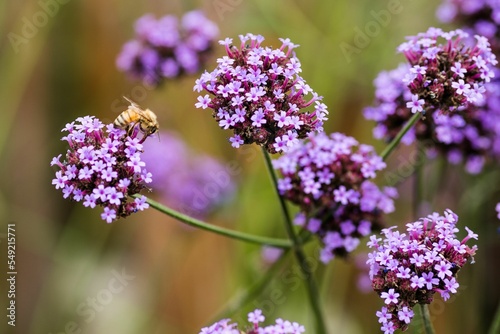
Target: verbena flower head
<point>258,93</point>
<point>102,166</point>
<point>328,177</point>
<point>408,268</point>
<point>448,69</point>
<point>255,318</point>
<point>165,48</point>
<point>479,16</point>
<point>470,134</point>
<point>188,182</point>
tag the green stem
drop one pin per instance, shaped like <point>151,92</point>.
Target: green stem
<point>312,289</point>
<point>255,290</point>
<point>259,287</point>
<point>495,325</point>
<point>417,190</point>
<point>279,243</point>
<point>394,143</point>
<point>427,319</point>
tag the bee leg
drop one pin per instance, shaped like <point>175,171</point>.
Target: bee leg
<point>144,137</point>
<point>133,130</point>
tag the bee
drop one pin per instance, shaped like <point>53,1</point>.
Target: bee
<point>135,116</point>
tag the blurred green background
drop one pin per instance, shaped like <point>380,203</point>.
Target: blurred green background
<point>179,279</point>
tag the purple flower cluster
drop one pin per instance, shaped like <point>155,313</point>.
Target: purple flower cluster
<point>479,16</point>
<point>280,327</point>
<point>258,93</point>
<point>165,49</point>
<point>446,76</point>
<point>328,178</point>
<point>469,135</point>
<point>103,167</point>
<point>407,269</point>
<point>190,183</point>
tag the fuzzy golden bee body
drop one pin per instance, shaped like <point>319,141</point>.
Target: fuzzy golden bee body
<point>135,116</point>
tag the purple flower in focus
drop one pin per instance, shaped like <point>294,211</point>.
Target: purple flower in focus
<point>258,93</point>
<point>102,167</point>
<point>470,135</point>
<point>450,75</point>
<point>190,183</point>
<point>328,177</point>
<point>408,268</point>
<point>280,327</point>
<point>165,48</point>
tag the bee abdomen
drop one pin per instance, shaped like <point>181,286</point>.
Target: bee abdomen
<point>123,120</point>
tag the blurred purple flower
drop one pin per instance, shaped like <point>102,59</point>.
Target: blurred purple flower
<point>328,178</point>
<point>102,167</point>
<point>408,268</point>
<point>164,49</point>
<point>271,254</point>
<point>280,327</point>
<point>258,93</point>
<point>477,16</point>
<point>192,184</point>
<point>446,76</point>
<point>470,135</point>
<point>363,282</point>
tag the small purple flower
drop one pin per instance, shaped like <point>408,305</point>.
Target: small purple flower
<point>108,215</point>
<point>383,315</point>
<point>405,314</point>
<point>391,297</point>
<point>437,87</point>
<point>166,49</point>
<point>328,177</point>
<point>255,317</point>
<point>257,93</point>
<point>280,327</point>
<point>416,104</point>
<point>408,268</point>
<point>99,170</point>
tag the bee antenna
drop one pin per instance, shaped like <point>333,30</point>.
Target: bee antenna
<point>130,101</point>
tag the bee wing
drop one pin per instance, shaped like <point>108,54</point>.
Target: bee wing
<point>133,104</point>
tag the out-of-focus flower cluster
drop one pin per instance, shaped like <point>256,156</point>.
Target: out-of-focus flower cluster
<point>363,281</point>
<point>477,16</point>
<point>328,178</point>
<point>166,49</point>
<point>280,327</point>
<point>469,135</point>
<point>258,93</point>
<point>190,183</point>
<point>446,76</point>
<point>102,166</point>
<point>408,268</point>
